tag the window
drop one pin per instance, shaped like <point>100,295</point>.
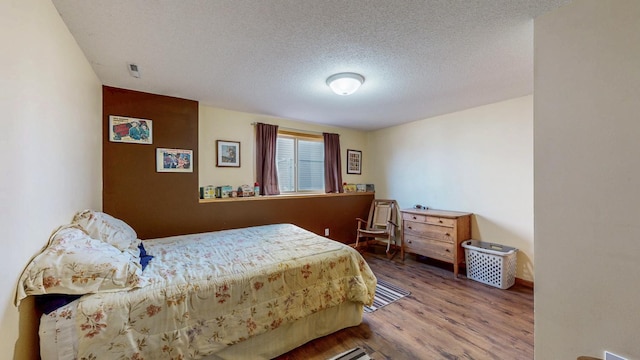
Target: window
<point>300,162</point>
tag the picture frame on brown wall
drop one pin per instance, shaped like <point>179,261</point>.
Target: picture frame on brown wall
<point>130,130</point>
<point>174,160</point>
<point>227,153</point>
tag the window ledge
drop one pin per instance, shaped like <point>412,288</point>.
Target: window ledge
<point>281,197</point>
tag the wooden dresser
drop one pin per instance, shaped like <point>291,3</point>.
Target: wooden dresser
<point>436,234</point>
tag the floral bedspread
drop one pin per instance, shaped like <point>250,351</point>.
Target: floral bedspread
<point>207,291</point>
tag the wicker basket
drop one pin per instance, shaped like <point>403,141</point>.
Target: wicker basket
<point>491,264</point>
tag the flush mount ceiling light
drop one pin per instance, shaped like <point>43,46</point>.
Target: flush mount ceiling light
<point>345,83</point>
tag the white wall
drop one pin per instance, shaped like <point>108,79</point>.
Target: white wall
<point>51,105</point>
<point>587,174</point>
<point>478,160</point>
<point>219,124</point>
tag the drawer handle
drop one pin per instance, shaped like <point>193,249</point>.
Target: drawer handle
<point>409,227</point>
<point>447,250</point>
<point>440,221</point>
<point>447,234</point>
<point>414,218</point>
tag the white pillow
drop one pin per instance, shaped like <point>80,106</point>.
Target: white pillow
<point>105,227</point>
<point>75,263</point>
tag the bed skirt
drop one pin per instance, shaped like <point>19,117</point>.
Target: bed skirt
<point>264,346</point>
<point>285,338</point>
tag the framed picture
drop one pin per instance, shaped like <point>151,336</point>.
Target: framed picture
<point>228,153</point>
<point>354,162</point>
<point>174,160</point>
<point>130,130</point>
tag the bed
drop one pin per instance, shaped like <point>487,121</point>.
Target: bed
<point>251,293</point>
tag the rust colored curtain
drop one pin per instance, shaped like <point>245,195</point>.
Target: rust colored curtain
<point>266,171</point>
<point>332,164</point>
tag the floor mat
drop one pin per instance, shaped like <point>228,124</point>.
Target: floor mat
<point>386,293</point>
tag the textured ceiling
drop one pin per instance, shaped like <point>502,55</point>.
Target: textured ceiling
<point>272,57</point>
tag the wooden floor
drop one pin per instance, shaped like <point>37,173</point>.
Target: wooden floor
<point>443,318</point>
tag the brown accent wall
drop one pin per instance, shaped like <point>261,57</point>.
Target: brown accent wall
<point>164,204</point>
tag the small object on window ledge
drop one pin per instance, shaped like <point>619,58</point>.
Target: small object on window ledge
<point>245,191</point>
<point>223,191</point>
<point>349,188</point>
<point>208,192</point>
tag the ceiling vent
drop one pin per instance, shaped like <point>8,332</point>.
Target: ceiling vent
<point>133,70</point>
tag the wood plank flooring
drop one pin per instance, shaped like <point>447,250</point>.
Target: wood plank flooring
<point>443,318</point>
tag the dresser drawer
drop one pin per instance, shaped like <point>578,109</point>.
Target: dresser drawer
<point>440,221</point>
<point>428,247</point>
<point>435,232</point>
<point>428,219</point>
<point>414,217</point>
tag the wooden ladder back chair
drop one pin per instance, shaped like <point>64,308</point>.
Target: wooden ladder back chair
<point>381,226</point>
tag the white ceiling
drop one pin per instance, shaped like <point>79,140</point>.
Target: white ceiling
<point>272,57</point>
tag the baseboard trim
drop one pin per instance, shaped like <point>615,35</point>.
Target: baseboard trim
<point>525,283</point>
